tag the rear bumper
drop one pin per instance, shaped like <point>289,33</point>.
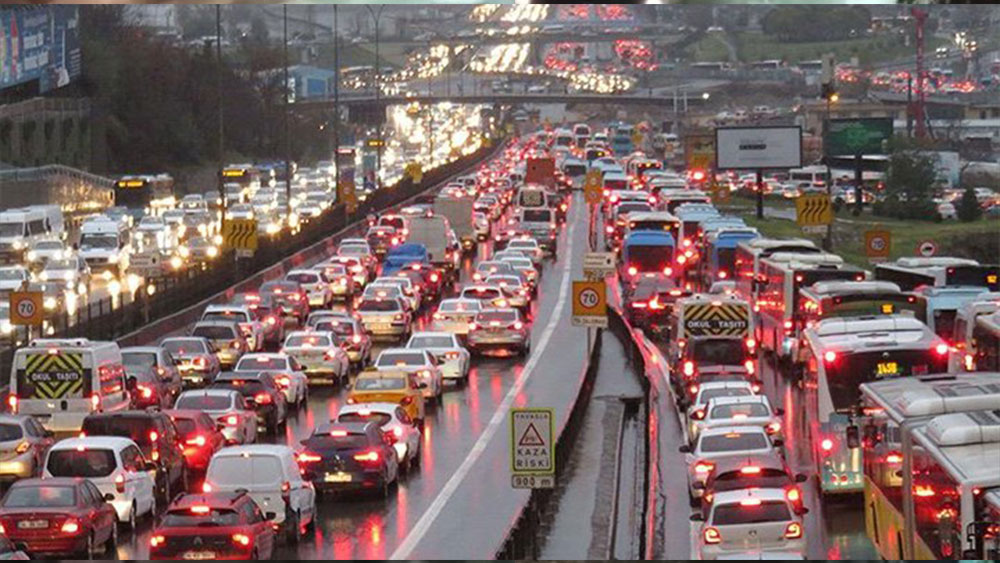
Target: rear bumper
<point>18,467</point>
<point>51,546</point>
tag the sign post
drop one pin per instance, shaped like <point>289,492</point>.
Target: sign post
<point>532,449</point>
<point>758,148</point>
<point>856,137</point>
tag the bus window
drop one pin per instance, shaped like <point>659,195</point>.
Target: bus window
<point>846,372</point>
<point>937,507</point>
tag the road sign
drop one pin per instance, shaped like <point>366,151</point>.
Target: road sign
<point>720,192</point>
<point>590,304</point>
<point>699,150</point>
<point>857,135</point>
<point>345,193</point>
<point>592,187</point>
<point>636,138</point>
<point>813,210</point>
<point>926,248</point>
<point>532,448</point>
<point>26,308</point>
<point>877,245</point>
<point>598,264</point>
<point>240,234</point>
<point>415,172</point>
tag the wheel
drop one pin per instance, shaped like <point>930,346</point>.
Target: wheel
<point>383,491</point>
<point>415,460</point>
<point>110,550</point>
<point>184,480</point>
<point>151,516</point>
<point>292,531</point>
<point>131,518</point>
<point>89,549</point>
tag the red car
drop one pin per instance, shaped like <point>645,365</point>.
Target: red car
<point>59,516</point>
<point>213,526</point>
<point>199,435</point>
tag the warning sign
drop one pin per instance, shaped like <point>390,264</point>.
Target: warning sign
<point>532,452</point>
<point>877,245</point>
<point>714,319</point>
<point>812,210</point>
<point>592,187</point>
<point>590,304</point>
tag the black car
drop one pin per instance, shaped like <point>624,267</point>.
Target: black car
<point>156,436</point>
<point>262,391</point>
<point>348,457</point>
<point>649,301</point>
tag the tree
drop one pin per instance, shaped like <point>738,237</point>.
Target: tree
<point>968,208</point>
<point>911,176</point>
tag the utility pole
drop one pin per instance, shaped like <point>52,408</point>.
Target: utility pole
<point>288,144</point>
<point>379,112</point>
<point>920,16</point>
<point>336,98</point>
<point>218,85</point>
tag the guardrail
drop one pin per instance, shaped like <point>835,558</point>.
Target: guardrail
<point>522,540</point>
<point>157,313</point>
<point>48,171</point>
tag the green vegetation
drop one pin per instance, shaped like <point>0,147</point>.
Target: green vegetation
<point>978,239</point>
<point>809,23</point>
<point>968,208</point>
<point>868,50</point>
<point>710,48</point>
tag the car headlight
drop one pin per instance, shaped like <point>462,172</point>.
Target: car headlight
<point>183,251</point>
<point>6,327</point>
<point>113,259</point>
<point>44,276</point>
<point>32,255</point>
<point>50,303</point>
<point>212,252</point>
<point>176,262</point>
<point>217,239</point>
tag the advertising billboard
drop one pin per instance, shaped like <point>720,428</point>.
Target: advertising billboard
<point>39,43</point>
<point>751,148</point>
<point>861,135</point>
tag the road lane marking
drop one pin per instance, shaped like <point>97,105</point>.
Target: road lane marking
<point>430,515</point>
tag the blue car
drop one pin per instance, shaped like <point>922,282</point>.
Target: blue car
<point>404,255</point>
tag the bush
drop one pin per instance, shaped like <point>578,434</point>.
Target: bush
<point>968,209</point>
<point>892,207</point>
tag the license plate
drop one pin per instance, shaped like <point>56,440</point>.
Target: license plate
<point>33,524</point>
<point>199,555</point>
<point>884,369</point>
<point>339,477</point>
<point>379,326</point>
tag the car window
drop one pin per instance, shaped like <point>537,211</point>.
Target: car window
<point>90,462</point>
<point>204,402</point>
<point>408,359</point>
<point>184,346</point>
<point>747,513</point>
<point>132,459</point>
<point>733,441</point>
<point>402,416</point>
<point>307,340</point>
<point>48,496</point>
<point>380,383</point>
<point>186,517</point>
<point>10,432</point>
<point>431,342</point>
<point>738,411</point>
<point>93,492</point>
<point>262,470</point>
<point>379,418</point>
<point>709,394</point>
<point>215,332</point>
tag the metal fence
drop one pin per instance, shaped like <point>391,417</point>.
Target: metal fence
<point>107,319</point>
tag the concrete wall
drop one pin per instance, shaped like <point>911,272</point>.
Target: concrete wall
<point>46,131</point>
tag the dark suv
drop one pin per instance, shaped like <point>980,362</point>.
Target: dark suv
<point>156,436</point>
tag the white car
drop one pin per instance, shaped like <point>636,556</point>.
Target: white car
<point>228,408</point>
<point>454,315</point>
<point>419,362</point>
<point>271,475</point>
<point>319,354</point>
<point>481,225</point>
<point>761,518</point>
<point>529,247</point>
<point>410,291</point>
<point>394,422</point>
<point>707,391</point>
<point>718,442</point>
<point>752,410</point>
<point>250,326</point>
<point>287,374</point>
<point>114,465</point>
<point>451,356</point>
<point>41,251</point>
<point>317,290</point>
<point>72,271</point>
<point>12,277</point>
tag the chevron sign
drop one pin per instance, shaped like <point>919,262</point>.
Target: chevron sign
<point>240,234</point>
<point>813,210</point>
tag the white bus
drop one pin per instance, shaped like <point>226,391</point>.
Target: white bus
<point>986,341</point>
<point>781,275</point>
<point>836,356</point>
<point>749,254</point>
<point>937,271</point>
<point>808,176</point>
<point>948,464</point>
<point>963,348</point>
<point>889,407</point>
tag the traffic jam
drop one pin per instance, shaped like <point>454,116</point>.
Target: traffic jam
<point>797,378</point>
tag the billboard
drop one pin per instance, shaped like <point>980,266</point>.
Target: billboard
<point>39,43</point>
<point>861,135</point>
<point>750,148</point>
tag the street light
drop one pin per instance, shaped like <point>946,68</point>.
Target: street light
<point>705,96</point>
<point>376,16</point>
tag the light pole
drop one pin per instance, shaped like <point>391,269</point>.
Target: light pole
<point>376,15</point>
<point>288,165</point>
<point>218,85</point>
<point>336,99</point>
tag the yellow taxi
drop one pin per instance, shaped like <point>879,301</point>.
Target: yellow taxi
<point>392,386</point>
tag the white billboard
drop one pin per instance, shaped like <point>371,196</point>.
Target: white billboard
<point>749,148</point>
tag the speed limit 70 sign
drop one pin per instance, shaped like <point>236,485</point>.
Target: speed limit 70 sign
<point>590,304</point>
<point>26,308</point>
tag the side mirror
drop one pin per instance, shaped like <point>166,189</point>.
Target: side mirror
<point>697,517</point>
<point>270,515</point>
<point>109,497</point>
<point>801,478</point>
<point>685,449</point>
<point>150,466</point>
<point>778,443</point>
<point>779,411</point>
<point>422,385</point>
<point>853,436</point>
<point>698,486</point>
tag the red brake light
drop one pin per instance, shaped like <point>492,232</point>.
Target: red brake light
<point>120,483</point>
<point>157,541</point>
<point>241,539</point>
<point>632,270</point>
<point>200,509</point>
<point>751,367</point>
<point>703,467</point>
<point>689,368</point>
<point>12,403</point>
<point>712,536</point>
<point>793,530</point>
<point>153,436</point>
<point>793,494</point>
<point>750,502</point>
<point>773,428</point>
<point>206,487</point>
<point>308,457</point>
<point>826,445</point>
<point>371,456</point>
<point>750,470</point>
<point>262,399</point>
<point>518,325</point>
<point>941,349</point>
<point>198,440</point>
<point>830,356</point>
<point>699,414</point>
<point>71,526</point>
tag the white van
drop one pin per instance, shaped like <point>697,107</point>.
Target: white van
<point>432,232</point>
<point>270,474</point>
<point>61,381</point>
<point>21,227</point>
<point>105,244</point>
<point>115,465</point>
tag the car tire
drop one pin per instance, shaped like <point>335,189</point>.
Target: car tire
<point>110,548</point>
<point>151,515</point>
<point>383,492</point>
<point>292,531</point>
<point>131,523</point>
<point>415,460</point>
<point>88,552</point>
<point>166,490</point>
<point>185,481</point>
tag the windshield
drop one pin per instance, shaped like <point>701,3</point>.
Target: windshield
<point>649,258</point>
<point>766,478</point>
<point>378,306</point>
<point>11,274</point>
<point>739,410</point>
<point>204,402</point>
<point>10,432</point>
<point>431,342</point>
<point>185,346</point>
<point>401,359</point>
<point>100,241</point>
<point>214,332</point>
<point>136,427</point>
<point>48,245</point>
<point>732,442</point>
<point>575,169</point>
<point>201,517</point>
<point>40,497</point>
<point>257,363</point>
<point>138,360</point>
<point>709,394</point>
<point>327,442</point>
<point>305,341</point>
<point>728,352</point>
<point>380,383</point>
<point>303,277</point>
<point>237,316</point>
<point>744,513</point>
<point>88,463</point>
<point>11,229</point>
<point>846,373</point>
<point>459,307</point>
<point>522,244</point>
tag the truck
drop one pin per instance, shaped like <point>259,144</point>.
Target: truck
<point>435,234</point>
<point>458,211</point>
<point>21,227</point>
<point>542,171</point>
<point>105,244</point>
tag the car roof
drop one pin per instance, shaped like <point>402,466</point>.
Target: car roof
<point>144,349</point>
<point>219,322</point>
<point>112,442</point>
<point>255,449</point>
<point>730,497</point>
<point>209,391</point>
<point>741,429</point>
<point>377,407</point>
<point>432,333</point>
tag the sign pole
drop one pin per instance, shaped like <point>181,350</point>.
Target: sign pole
<point>858,179</point>
<point>760,193</point>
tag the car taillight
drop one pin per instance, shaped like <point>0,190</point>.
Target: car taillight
<point>793,494</point>
<point>723,275</point>
<point>235,344</point>
<point>632,270</point>
<point>71,526</point>
<point>241,539</point>
<point>286,487</point>
<point>198,440</point>
<point>788,325</point>
<point>518,325</point>
<point>751,367</point>
<point>397,433</point>
<point>157,541</point>
<point>120,483</point>
<point>473,326</point>
<point>941,349</point>
<point>405,400</point>
<point>830,356</point>
<point>12,402</point>
<point>638,305</point>
<point>793,531</point>
<point>712,536</point>
<point>308,457</point>
<point>435,278</point>
<point>23,447</point>
<point>262,399</point>
<point>688,368</point>
<point>698,414</point>
<point>199,362</point>
<point>284,382</point>
<point>145,391</point>
<point>703,467</point>
<point>609,229</point>
<point>826,445</point>
<point>438,316</point>
<point>751,344</point>
<point>95,402</point>
<point>773,428</point>
<point>370,456</point>
<point>693,389</point>
<point>397,317</point>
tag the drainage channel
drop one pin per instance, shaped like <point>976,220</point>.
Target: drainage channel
<point>597,507</point>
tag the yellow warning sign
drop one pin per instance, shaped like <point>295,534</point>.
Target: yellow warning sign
<point>240,234</point>
<point>812,210</point>
<point>592,187</point>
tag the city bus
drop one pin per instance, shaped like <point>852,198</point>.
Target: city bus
<point>823,300</point>
<point>719,262</point>
<point>963,348</point>
<point>152,193</point>
<point>943,304</point>
<point>835,357</point>
<point>246,175</point>
<point>889,407</point>
<point>986,341</point>
<point>986,530</point>
<point>781,276</point>
<point>948,463</point>
<point>746,264</point>
<point>660,221</point>
<point>938,271</point>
